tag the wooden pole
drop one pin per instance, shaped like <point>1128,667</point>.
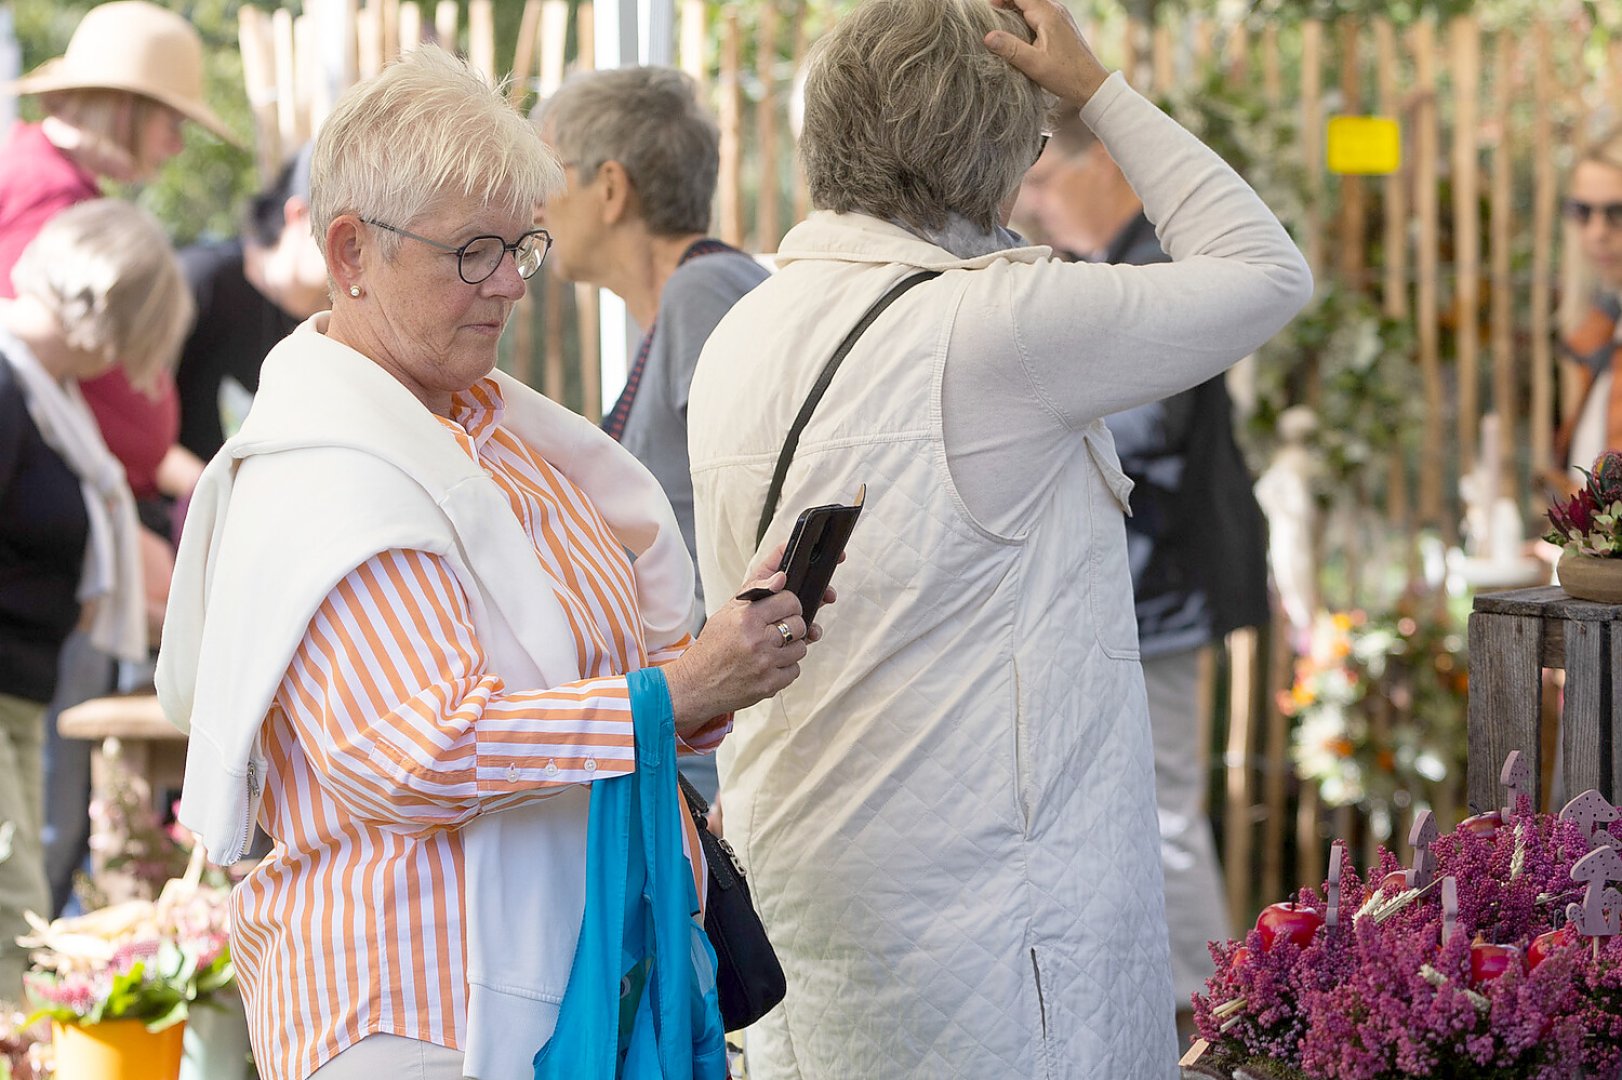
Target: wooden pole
<point>446,16</point>
<point>393,29</point>
<point>1204,47</point>
<point>1165,59</point>
<point>1466,65</point>
<point>1272,68</point>
<point>1395,289</point>
<point>1503,288</point>
<point>1430,361</point>
<point>731,179</point>
<point>259,79</point>
<point>554,45</point>
<point>1353,219</point>
<point>802,40</point>
<point>369,34</point>
<point>1238,55</point>
<point>692,40</point>
<point>529,29</point>
<point>767,230</point>
<point>1275,780</point>
<point>307,70</point>
<point>587,314</point>
<point>1312,139</point>
<point>410,26</point>
<point>585,35</point>
<point>287,95</point>
<point>481,37</point>
<point>1236,831</point>
<point>1132,52</point>
<point>1545,197</point>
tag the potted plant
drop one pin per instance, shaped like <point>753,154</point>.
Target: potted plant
<point>117,984</point>
<point>1588,529</point>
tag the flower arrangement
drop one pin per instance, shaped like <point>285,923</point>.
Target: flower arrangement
<point>19,1050</point>
<point>1379,709</point>
<point>1590,521</point>
<point>146,960</point>
<point>1399,983</point>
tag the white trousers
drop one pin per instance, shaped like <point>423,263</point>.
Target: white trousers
<point>380,1056</point>
<point>1196,908</point>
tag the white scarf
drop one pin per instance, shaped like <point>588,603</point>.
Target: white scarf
<point>112,556</point>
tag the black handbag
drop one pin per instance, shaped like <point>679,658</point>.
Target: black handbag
<point>748,978</point>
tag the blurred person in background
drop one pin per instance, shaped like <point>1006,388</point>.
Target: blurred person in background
<point>640,157</point>
<point>116,105</point>
<point>98,286</point>
<point>1593,347</point>
<point>1196,540</point>
<point>250,291</point>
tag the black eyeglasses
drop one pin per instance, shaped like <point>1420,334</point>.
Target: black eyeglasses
<point>1580,212</point>
<point>1041,146</point>
<point>477,259</point>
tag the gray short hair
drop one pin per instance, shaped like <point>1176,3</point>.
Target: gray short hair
<point>908,115</point>
<point>426,127</point>
<point>108,274</point>
<point>649,120</point>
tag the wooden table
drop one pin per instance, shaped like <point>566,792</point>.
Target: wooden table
<point>1513,637</point>
<point>134,746</point>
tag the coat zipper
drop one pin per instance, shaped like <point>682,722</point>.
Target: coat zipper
<point>247,814</point>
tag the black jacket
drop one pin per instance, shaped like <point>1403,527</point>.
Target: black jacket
<point>1196,540</point>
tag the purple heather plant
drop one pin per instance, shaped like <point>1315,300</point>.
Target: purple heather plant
<point>1381,1000</point>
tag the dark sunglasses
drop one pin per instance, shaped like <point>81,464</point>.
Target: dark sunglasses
<point>1041,146</point>
<point>1580,212</point>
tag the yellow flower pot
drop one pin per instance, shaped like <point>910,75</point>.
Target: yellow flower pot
<point>117,1050</point>
<point>1588,577</point>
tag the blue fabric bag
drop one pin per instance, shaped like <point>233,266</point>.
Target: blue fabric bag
<point>641,1002</point>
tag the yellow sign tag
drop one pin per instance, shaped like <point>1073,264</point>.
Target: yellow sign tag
<point>1364,145</point>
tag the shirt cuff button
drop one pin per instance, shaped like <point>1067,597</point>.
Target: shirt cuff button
<point>512,774</point>
<point>591,764</point>
<point>551,768</point>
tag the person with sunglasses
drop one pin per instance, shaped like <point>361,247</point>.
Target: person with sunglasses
<point>1594,212</point>
<point>415,609</point>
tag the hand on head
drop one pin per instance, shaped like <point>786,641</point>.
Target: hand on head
<point>1060,60</point>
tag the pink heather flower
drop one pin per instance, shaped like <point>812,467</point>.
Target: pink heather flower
<point>1389,1000</point>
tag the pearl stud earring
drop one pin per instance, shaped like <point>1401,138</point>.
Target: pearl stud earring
<point>354,290</point>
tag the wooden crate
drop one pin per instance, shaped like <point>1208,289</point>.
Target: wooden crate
<point>1514,636</point>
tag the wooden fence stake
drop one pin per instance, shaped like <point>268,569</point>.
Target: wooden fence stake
<point>1545,194</point>
<point>446,16</point>
<point>1466,73</point>
<point>1503,288</point>
<point>767,230</point>
<point>731,179</point>
<point>1427,138</point>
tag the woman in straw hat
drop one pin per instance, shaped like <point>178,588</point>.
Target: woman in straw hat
<point>115,104</point>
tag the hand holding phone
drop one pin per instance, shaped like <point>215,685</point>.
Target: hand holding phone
<point>813,551</point>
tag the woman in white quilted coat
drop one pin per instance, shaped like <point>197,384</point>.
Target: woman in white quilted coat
<point>949,819</point>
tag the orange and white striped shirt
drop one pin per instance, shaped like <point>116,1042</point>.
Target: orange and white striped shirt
<point>388,733</point>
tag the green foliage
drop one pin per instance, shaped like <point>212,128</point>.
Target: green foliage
<point>159,991</point>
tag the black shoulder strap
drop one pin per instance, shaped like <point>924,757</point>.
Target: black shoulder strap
<point>775,493</point>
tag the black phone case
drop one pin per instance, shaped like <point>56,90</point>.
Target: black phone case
<point>814,547</point>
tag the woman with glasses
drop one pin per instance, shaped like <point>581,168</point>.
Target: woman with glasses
<point>1594,211</point>
<point>409,596</point>
<point>950,820</point>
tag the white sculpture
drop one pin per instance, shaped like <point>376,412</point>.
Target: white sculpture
<point>1285,491</point>
<point>1495,537</point>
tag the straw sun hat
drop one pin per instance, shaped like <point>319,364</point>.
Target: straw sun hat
<point>138,47</point>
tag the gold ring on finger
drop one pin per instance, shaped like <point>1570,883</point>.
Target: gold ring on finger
<point>788,635</point>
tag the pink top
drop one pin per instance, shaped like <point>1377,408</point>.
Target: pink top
<point>36,182</point>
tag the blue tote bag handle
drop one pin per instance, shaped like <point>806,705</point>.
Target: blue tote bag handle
<point>641,954</point>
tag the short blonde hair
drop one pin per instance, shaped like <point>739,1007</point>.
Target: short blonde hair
<point>908,115</point>
<point>112,118</point>
<point>108,274</point>
<point>426,127</point>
